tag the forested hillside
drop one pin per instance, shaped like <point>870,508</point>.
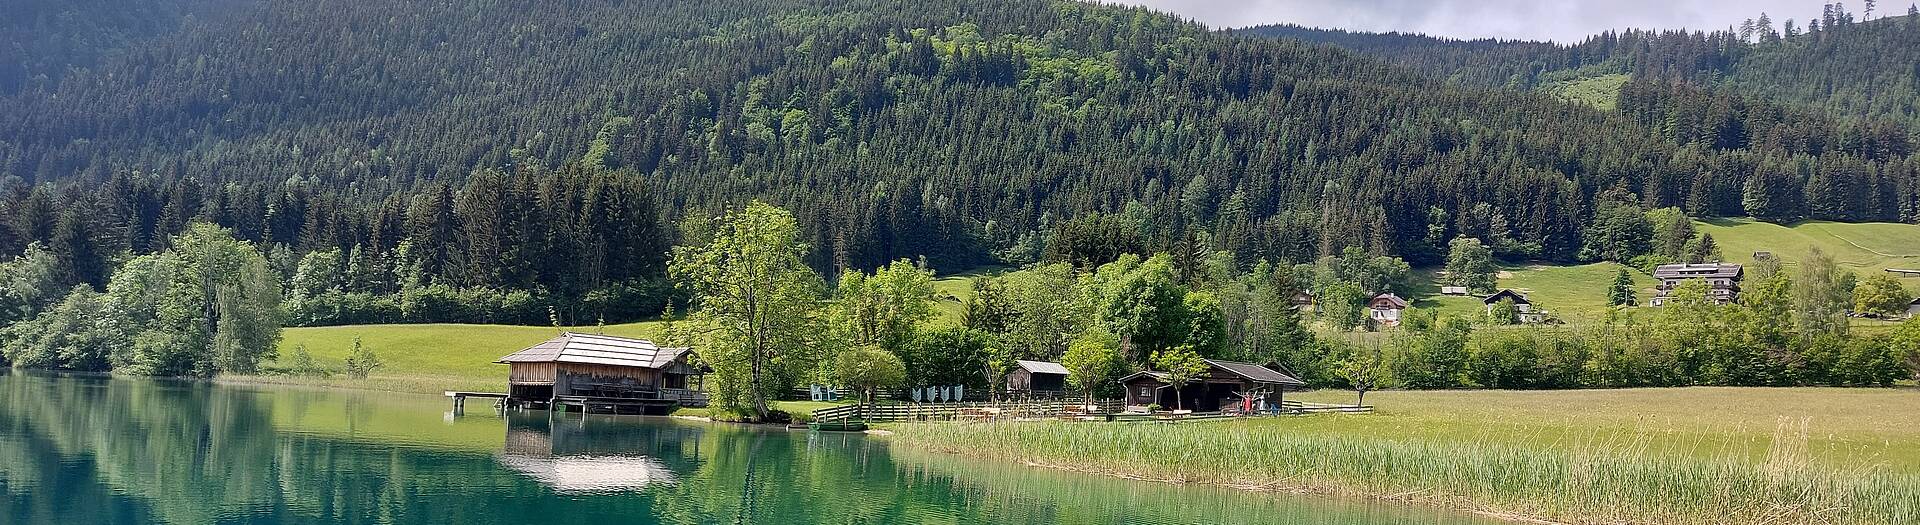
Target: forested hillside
<point>551,149</point>
<point>1838,62</point>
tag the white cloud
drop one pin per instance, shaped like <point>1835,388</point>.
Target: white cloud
<point>1565,21</point>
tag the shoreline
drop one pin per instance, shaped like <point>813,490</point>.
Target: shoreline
<point>387,384</point>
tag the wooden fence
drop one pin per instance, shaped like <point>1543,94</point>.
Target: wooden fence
<point>1103,410</point>
<point>967,411</point>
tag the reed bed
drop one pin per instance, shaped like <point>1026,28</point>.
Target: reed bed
<point>1604,481</point>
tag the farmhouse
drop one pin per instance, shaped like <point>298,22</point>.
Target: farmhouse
<point>1523,311</point>
<point>1226,384</point>
<point>598,372</point>
<point>1723,280</point>
<point>1385,309</point>
<point>1038,378</point>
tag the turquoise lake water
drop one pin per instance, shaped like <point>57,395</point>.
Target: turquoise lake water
<point>78,450</point>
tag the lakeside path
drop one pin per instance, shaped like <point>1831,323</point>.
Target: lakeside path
<point>1654,456</point>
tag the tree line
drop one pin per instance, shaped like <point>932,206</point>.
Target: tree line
<point>766,322</point>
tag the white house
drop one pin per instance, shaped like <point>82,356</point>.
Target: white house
<point>1385,309</point>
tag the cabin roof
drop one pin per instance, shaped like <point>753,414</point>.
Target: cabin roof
<point>1042,367</point>
<point>1158,376</point>
<point>1248,371</point>
<point>1255,372</point>
<point>1505,294</point>
<point>1696,271</point>
<point>1391,299</point>
<point>595,349</point>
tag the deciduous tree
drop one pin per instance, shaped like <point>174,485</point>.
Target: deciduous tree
<point>1881,294</point>
<point>1470,264</point>
<point>1182,366</point>
<point>753,301</point>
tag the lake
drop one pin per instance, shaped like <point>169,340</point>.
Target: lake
<point>93,450</point>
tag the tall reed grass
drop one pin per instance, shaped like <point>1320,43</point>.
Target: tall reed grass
<point>1610,481</point>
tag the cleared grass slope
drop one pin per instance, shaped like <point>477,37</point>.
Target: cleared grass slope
<point>431,357</point>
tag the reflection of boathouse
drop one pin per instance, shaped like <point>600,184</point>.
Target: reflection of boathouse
<point>580,456</point>
<point>598,373</point>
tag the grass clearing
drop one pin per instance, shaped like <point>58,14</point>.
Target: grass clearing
<point>433,358</point>
<point>1861,247</point>
<point>1601,92</point>
<point>426,358</point>
<point>1669,456</point>
<point>1575,293</point>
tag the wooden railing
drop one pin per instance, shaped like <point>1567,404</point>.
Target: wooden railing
<point>967,411</point>
<point>1315,408</point>
<point>689,398</point>
<point>1075,410</point>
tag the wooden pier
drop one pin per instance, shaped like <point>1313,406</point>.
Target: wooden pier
<point>460,398</point>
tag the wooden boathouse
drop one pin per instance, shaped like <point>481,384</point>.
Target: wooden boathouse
<point>599,373</point>
<point>1227,386</point>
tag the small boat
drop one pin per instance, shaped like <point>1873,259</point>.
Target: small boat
<point>837,426</point>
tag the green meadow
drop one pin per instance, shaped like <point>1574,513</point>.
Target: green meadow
<point>1656,456</point>
<point>1578,293</point>
<point>427,358</point>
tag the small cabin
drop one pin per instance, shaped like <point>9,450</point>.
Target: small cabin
<point>1037,377</point>
<point>1913,309</point>
<point>1453,290</point>
<point>1386,308</point>
<point>1226,385</point>
<point>1522,308</point>
<point>600,372</point>
<point>1302,298</point>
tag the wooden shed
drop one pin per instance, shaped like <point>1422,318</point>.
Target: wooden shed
<point>1037,377</point>
<point>1227,384</point>
<point>603,372</point>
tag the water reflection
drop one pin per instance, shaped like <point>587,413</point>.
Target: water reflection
<point>87,450</point>
<point>573,457</point>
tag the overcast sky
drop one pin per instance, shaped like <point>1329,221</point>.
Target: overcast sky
<point>1561,20</point>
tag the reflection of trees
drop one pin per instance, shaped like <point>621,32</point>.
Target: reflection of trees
<point>94,450</point>
<point>193,450</point>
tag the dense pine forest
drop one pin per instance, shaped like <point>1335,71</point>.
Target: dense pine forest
<point>519,157</point>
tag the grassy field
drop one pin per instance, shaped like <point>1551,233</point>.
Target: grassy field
<point>1578,293</point>
<point>1664,456</point>
<point>1861,247</point>
<point>1575,294</point>
<point>432,358</point>
<point>428,358</point>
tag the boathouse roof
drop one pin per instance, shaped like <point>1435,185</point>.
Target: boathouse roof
<point>596,349</point>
